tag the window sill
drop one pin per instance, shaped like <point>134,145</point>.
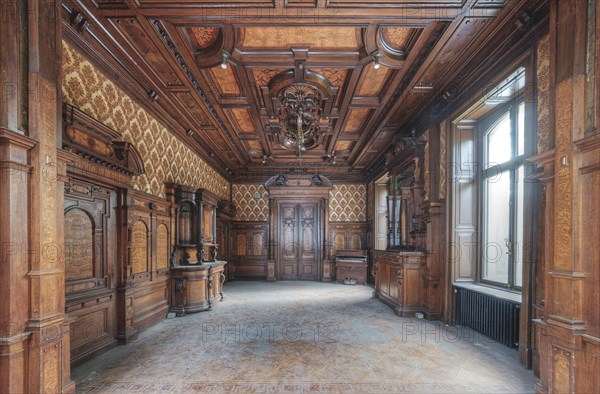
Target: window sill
<point>492,291</point>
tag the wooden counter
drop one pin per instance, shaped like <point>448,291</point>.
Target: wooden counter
<point>398,280</point>
<point>194,288</point>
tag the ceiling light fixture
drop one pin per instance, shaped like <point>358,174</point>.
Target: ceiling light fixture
<point>224,59</point>
<point>376,63</point>
<point>299,116</point>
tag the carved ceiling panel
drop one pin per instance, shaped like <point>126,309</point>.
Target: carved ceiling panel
<point>243,119</point>
<point>355,119</point>
<point>225,81</point>
<point>214,72</point>
<point>310,37</point>
<point>372,81</point>
<point>397,41</point>
<point>204,36</point>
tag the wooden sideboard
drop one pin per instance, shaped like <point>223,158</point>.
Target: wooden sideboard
<point>195,288</point>
<point>398,281</point>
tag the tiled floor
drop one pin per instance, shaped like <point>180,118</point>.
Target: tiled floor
<point>296,337</point>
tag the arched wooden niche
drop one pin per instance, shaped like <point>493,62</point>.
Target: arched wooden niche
<point>79,245</point>
<point>186,223</point>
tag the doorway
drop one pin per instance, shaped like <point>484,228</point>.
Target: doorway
<point>299,249</point>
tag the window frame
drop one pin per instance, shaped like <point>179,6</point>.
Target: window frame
<point>484,126</point>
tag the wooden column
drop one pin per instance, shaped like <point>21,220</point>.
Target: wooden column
<point>34,345</point>
<point>435,241</point>
<point>570,327</point>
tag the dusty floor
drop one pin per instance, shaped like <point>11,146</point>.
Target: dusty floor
<point>296,337</point>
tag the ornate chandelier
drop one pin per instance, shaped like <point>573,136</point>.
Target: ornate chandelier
<point>299,116</point>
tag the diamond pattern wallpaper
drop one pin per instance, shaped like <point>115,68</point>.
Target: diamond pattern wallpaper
<point>348,203</point>
<point>248,208</point>
<point>166,158</point>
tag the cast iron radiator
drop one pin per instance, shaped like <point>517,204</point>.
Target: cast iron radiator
<point>493,317</point>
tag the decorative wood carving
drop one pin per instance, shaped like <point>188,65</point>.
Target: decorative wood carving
<point>139,247</point>
<point>250,249</point>
<point>205,36</point>
<point>79,245</point>
<point>86,137</point>
<point>420,63</point>
<point>143,281</point>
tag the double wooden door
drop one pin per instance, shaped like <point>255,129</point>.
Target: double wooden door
<point>299,248</point>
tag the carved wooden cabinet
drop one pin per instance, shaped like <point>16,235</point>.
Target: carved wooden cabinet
<point>399,270</point>
<point>197,276</point>
<point>195,288</point>
<point>398,280</point>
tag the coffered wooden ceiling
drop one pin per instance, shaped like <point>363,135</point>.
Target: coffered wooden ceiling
<point>168,54</point>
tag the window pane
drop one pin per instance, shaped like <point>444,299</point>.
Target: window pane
<point>518,247</point>
<point>499,142</point>
<point>497,228</point>
<point>521,129</point>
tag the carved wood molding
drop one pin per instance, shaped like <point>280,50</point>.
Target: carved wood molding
<point>99,144</point>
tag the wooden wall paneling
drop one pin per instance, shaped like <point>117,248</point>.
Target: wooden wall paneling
<point>569,329</point>
<point>225,214</point>
<point>249,249</point>
<point>34,347</point>
<point>91,262</point>
<point>435,242</point>
<point>143,291</point>
<point>345,235</point>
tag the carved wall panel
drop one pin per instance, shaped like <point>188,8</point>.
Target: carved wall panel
<point>79,245</point>
<point>162,246</point>
<point>90,241</point>
<point>545,139</point>
<point>144,300</point>
<point>241,244</point>
<point>248,254</point>
<point>139,247</point>
<point>348,203</point>
<point>166,158</point>
<point>346,235</point>
<point>249,208</point>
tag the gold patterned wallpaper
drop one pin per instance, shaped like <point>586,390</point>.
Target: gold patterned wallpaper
<point>544,135</point>
<point>348,203</point>
<point>248,208</point>
<point>166,158</point>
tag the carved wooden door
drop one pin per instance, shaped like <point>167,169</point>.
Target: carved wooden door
<point>299,247</point>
